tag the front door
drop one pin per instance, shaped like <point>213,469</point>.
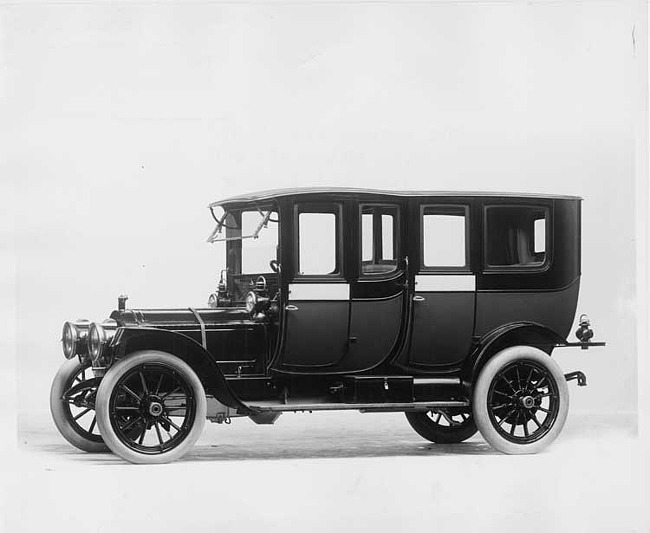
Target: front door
<point>445,287</point>
<point>317,309</point>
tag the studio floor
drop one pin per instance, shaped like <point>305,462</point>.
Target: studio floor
<point>333,472</point>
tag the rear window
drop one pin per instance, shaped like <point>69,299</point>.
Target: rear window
<point>516,236</point>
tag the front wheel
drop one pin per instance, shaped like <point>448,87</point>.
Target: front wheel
<point>151,408</point>
<point>520,400</point>
<point>72,404</point>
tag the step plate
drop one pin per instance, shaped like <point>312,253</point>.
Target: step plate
<point>272,406</point>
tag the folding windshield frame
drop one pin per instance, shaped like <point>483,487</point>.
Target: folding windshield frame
<point>214,236</point>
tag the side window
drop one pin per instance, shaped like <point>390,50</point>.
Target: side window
<point>318,242</point>
<point>378,239</point>
<point>515,236</point>
<point>444,230</point>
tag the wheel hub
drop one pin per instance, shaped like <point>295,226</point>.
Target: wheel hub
<point>528,402</point>
<point>154,406</point>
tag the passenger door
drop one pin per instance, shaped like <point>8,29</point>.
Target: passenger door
<point>317,309</point>
<point>445,286</point>
<point>378,293</point>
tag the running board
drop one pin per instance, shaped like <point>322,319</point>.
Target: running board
<point>366,407</point>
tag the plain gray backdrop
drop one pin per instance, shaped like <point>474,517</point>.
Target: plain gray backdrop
<point>127,120</point>
<point>122,121</point>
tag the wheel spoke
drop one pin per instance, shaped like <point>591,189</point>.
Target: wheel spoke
<point>539,383</point>
<point>159,435</point>
<point>514,426</point>
<point>530,377</point>
<point>542,409</point>
<point>130,392</point>
<point>144,383</point>
<point>177,408</point>
<point>141,439</point>
<point>518,377</point>
<point>534,419</point>
<point>507,415</point>
<point>509,384</point>
<point>132,423</point>
<point>172,392</point>
<point>526,434</point>
<point>169,421</point>
<point>502,393</point>
<point>92,424</point>
<point>126,408</point>
<point>438,417</point>
<point>82,413</point>
<point>547,395</point>
<point>159,383</point>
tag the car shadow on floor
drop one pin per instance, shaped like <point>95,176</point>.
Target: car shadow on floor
<point>220,452</point>
<point>283,450</point>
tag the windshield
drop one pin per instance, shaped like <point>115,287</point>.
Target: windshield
<point>251,237</point>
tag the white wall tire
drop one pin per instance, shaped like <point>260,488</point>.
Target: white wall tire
<point>520,400</point>
<point>151,408</point>
<point>76,421</point>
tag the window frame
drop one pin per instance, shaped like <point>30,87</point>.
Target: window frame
<point>466,208</point>
<point>397,244</point>
<point>335,208</point>
<point>531,268</point>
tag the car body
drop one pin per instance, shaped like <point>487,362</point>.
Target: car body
<point>430,303</point>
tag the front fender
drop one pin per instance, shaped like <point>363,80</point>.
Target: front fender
<point>133,339</point>
<point>514,334</point>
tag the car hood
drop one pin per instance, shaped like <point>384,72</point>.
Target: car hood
<point>180,318</point>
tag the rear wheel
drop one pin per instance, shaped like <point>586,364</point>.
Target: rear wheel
<point>151,408</point>
<point>520,400</point>
<point>72,404</point>
<point>444,426</point>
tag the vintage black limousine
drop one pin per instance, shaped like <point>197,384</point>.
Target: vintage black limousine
<point>444,306</point>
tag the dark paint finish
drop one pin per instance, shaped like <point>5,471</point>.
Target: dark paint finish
<point>553,309</point>
<point>133,339</point>
<point>379,331</point>
<point>443,325</point>
<point>316,334</point>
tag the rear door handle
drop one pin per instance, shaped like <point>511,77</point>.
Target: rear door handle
<point>291,307</point>
<point>419,298</point>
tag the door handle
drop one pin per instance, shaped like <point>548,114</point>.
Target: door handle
<point>291,307</point>
<point>419,298</point>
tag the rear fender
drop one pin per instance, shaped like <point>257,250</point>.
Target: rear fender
<point>128,340</point>
<point>515,334</point>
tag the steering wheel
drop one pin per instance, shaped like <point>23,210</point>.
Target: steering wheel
<point>275,266</point>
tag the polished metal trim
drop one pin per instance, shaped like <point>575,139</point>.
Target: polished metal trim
<point>436,381</point>
<point>204,341</point>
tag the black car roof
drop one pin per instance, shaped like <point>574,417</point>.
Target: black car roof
<point>261,196</point>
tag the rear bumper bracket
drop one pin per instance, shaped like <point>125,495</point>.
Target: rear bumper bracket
<point>580,376</point>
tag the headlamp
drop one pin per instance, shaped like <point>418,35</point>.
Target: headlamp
<point>251,302</point>
<point>73,338</point>
<point>99,335</point>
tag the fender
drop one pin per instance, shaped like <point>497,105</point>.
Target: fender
<point>128,340</point>
<point>515,333</point>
